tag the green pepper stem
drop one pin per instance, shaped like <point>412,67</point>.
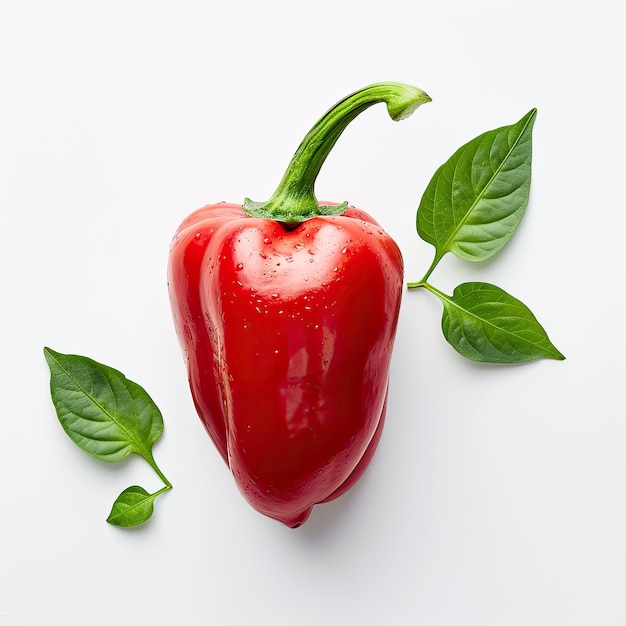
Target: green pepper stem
<point>294,200</point>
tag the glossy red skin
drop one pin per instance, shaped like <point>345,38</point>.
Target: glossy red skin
<point>288,336</point>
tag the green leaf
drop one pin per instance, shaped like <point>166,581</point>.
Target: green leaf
<point>103,412</point>
<point>475,201</point>
<point>484,323</point>
<point>133,506</point>
<point>109,417</point>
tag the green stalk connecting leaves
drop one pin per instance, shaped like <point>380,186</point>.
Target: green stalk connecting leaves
<point>109,417</point>
<point>471,207</point>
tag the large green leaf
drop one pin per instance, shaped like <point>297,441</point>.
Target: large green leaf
<point>102,411</point>
<point>485,323</point>
<point>475,201</point>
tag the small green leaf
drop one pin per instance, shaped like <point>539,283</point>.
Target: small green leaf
<point>103,412</point>
<point>133,506</point>
<point>475,201</point>
<point>484,323</point>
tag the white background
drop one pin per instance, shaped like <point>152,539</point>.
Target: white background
<point>497,495</point>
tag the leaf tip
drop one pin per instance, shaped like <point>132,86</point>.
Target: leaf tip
<point>554,353</point>
<point>530,117</point>
<point>50,355</point>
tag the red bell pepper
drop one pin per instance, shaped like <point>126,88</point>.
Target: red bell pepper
<point>286,312</point>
